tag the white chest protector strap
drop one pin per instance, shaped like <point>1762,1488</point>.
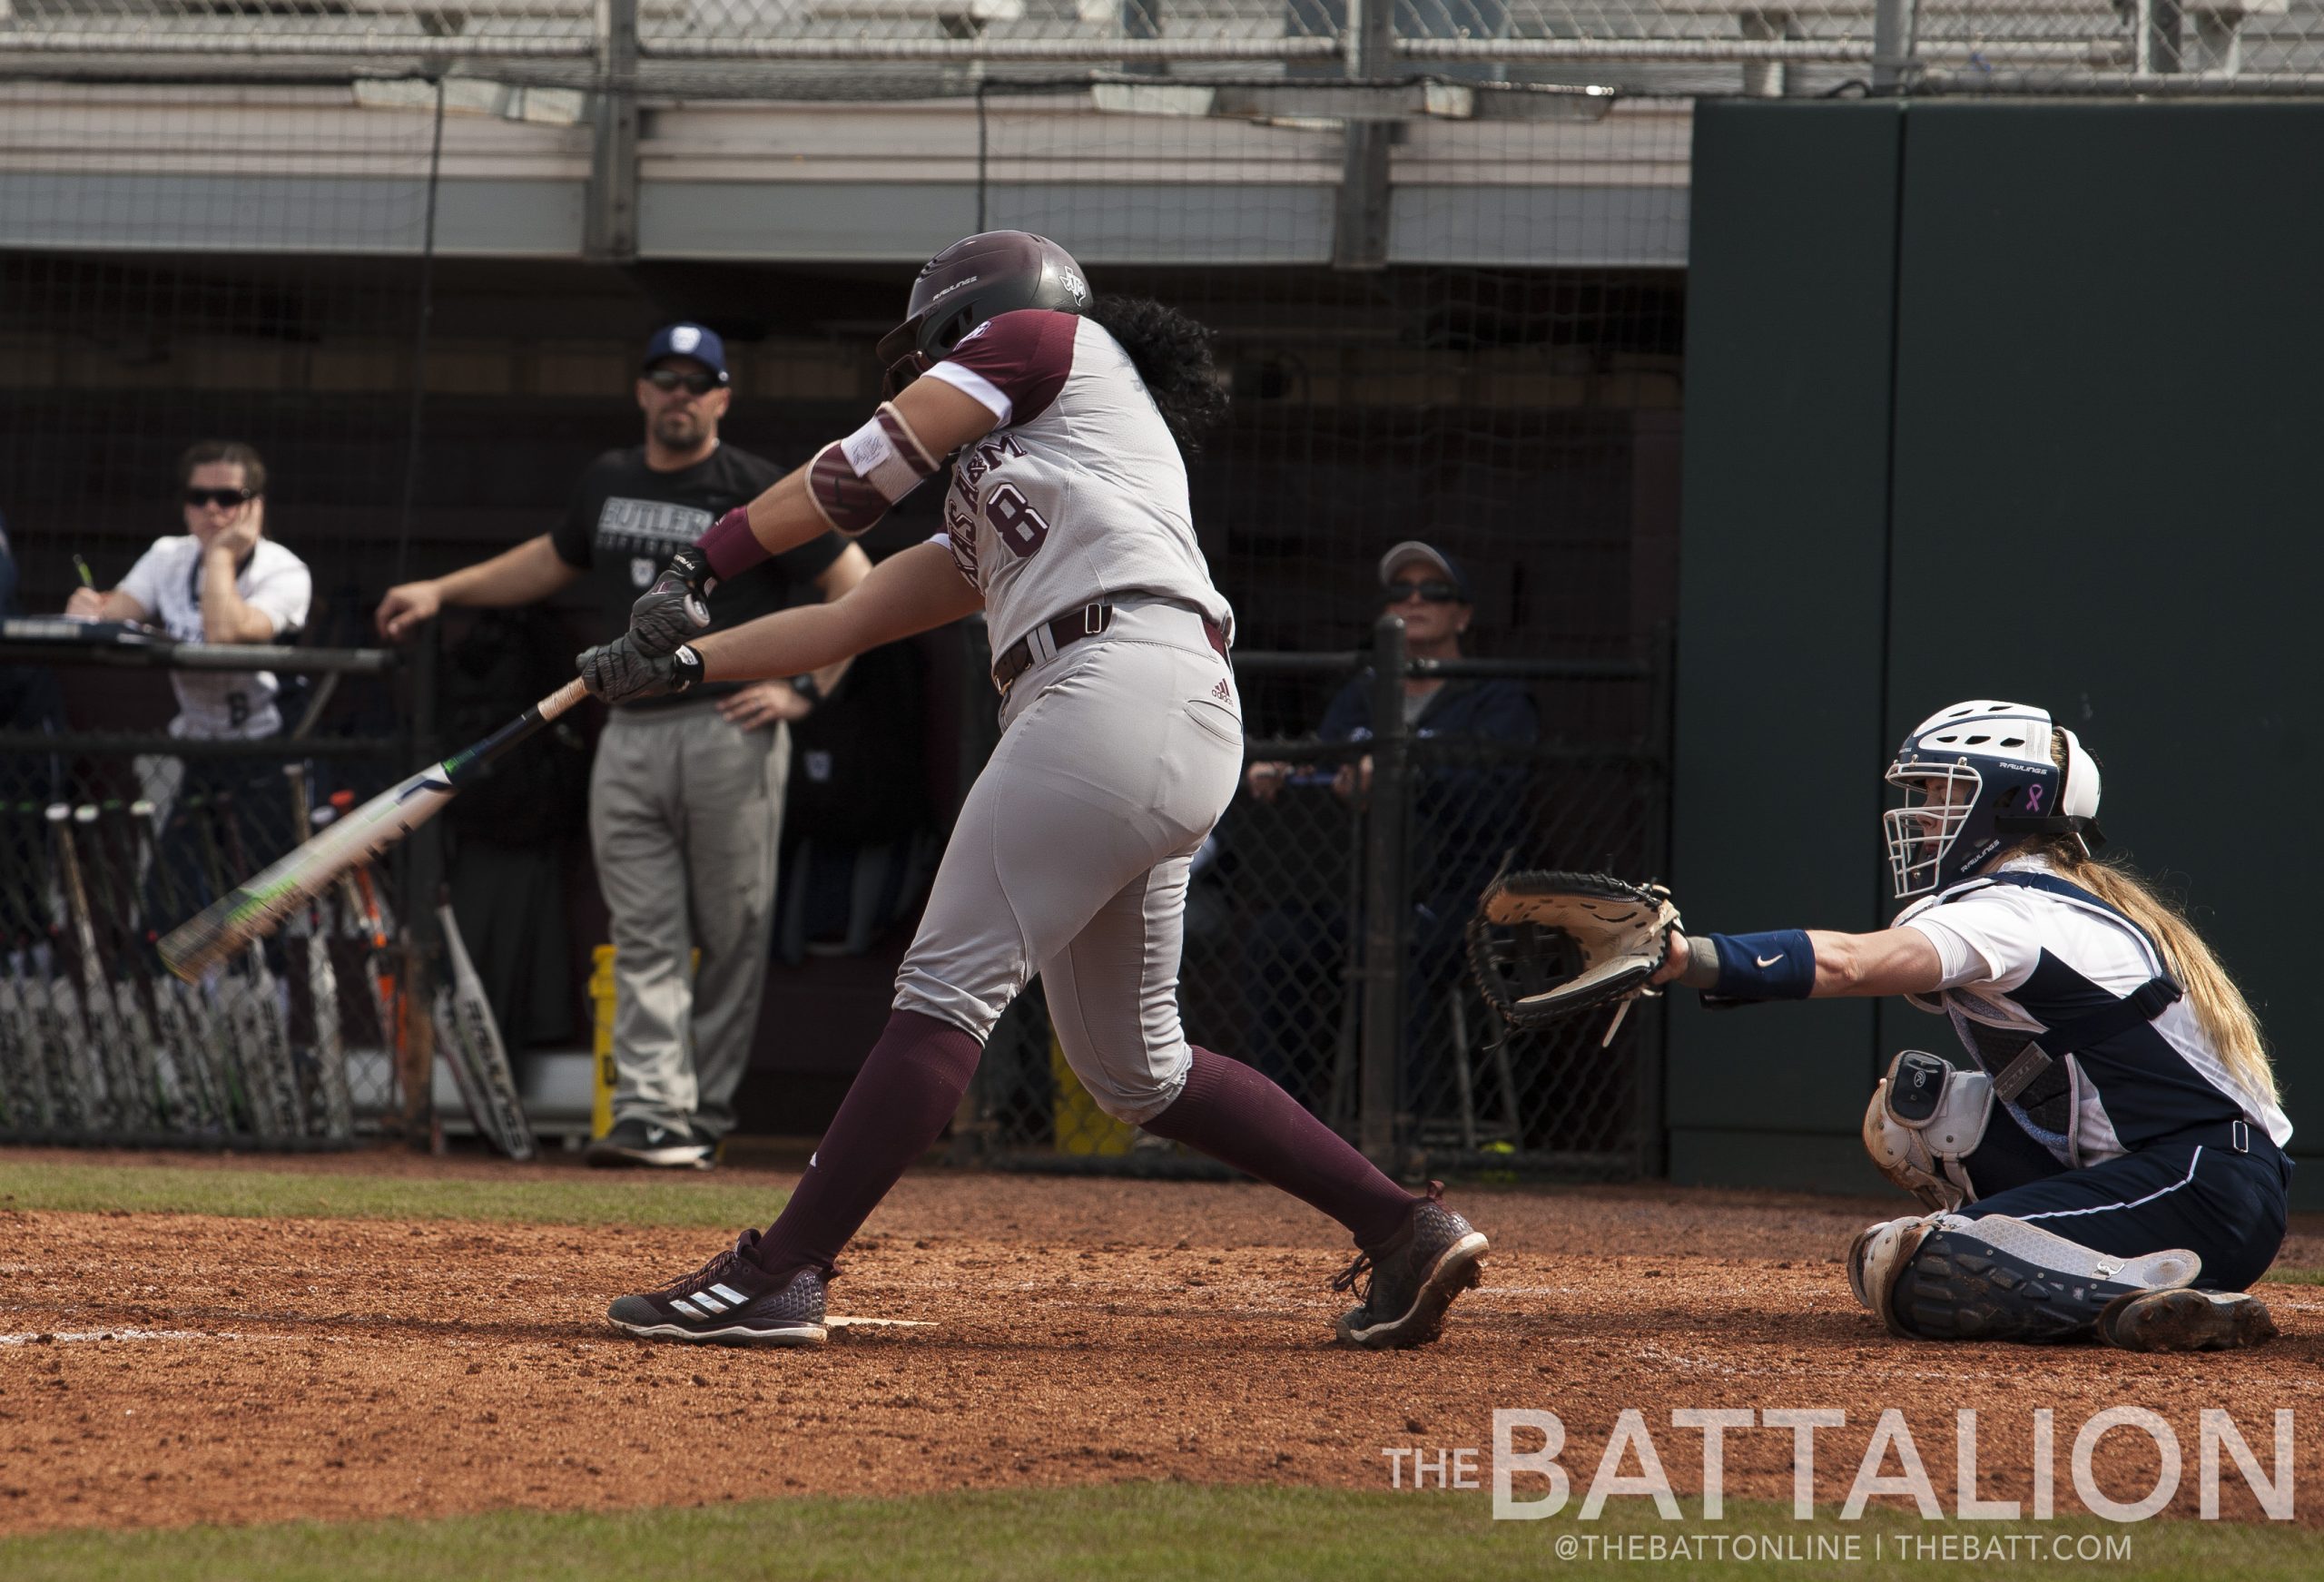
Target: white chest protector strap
<point>1926,1119</point>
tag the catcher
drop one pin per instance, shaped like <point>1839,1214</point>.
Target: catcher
<point>2110,1156</point>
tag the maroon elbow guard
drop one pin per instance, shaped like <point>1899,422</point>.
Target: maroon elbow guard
<point>847,499</point>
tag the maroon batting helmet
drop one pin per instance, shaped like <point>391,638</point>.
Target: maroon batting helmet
<point>978,277</point>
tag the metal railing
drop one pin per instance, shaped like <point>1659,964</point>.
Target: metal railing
<point>1766,47</point>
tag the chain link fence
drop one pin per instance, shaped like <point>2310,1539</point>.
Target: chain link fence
<point>107,843</point>
<point>1326,931</point>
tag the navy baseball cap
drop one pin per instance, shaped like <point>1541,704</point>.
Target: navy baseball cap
<point>698,341</point>
<point>1412,549</point>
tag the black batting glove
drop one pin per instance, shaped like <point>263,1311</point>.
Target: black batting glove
<point>676,607</point>
<point>619,673</point>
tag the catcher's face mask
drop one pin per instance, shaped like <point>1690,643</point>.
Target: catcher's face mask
<point>1937,801</point>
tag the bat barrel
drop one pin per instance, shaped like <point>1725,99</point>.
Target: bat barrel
<point>254,908</point>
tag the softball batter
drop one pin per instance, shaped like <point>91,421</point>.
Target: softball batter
<point>1064,418</point>
<point>2111,1156</point>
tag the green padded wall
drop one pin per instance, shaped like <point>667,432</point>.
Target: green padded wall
<point>2085,480</point>
<point>1782,565</point>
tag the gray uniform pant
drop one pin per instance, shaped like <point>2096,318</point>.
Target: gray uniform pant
<point>686,817</point>
<point>1071,854</point>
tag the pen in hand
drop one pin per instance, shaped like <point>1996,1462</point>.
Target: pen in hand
<point>86,601</point>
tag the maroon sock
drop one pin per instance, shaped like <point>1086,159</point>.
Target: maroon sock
<point>1234,1114</point>
<point>909,1086</point>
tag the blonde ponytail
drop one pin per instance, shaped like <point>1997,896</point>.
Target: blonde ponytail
<point>2218,1005</point>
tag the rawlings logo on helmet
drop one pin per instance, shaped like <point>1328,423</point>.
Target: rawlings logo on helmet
<point>974,280</point>
<point>1979,777</point>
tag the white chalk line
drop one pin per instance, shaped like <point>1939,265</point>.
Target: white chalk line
<point>840,1320</point>
<point>71,1336</point>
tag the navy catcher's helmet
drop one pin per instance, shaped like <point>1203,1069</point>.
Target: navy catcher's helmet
<point>1977,777</point>
<point>978,277</point>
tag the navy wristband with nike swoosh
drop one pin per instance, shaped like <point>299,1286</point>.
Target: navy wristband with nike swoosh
<point>1777,965</point>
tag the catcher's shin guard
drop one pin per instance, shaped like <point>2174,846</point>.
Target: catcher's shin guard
<point>1945,1277</point>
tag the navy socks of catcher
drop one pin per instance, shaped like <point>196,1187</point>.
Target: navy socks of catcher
<point>909,1086</point>
<point>1238,1117</point>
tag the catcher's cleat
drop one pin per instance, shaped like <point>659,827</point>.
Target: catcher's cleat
<point>1412,1279</point>
<point>729,1301</point>
<point>2186,1321</point>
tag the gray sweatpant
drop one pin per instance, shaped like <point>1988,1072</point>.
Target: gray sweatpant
<point>685,816</point>
<point>1071,853</point>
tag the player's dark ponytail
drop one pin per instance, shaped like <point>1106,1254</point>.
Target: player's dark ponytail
<point>1172,355</point>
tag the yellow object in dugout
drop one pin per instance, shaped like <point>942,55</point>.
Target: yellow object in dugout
<point>1081,1127</point>
<point>601,1048</point>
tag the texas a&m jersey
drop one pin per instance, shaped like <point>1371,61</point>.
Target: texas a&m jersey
<point>1079,494</point>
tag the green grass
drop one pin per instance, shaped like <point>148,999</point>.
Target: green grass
<point>1136,1531</point>
<point>2296,1277</point>
<point>562,1198</point>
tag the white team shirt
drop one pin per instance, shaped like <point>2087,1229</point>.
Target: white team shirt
<point>167,580</point>
<point>1079,496</point>
<point>1991,939</point>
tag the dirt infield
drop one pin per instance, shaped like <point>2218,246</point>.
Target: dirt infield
<point>1075,1331</point>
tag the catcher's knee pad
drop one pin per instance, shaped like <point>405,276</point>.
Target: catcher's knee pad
<point>1925,1118</point>
<point>1945,1277</point>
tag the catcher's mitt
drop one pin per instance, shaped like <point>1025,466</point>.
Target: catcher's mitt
<point>1544,945</point>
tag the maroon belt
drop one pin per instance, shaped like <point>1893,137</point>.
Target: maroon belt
<point>1086,622</point>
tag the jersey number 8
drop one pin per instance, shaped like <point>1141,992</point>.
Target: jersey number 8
<point>1012,517</point>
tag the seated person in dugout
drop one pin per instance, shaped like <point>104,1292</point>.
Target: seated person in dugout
<point>2111,1159</point>
<point>224,580</point>
<point>1468,810</point>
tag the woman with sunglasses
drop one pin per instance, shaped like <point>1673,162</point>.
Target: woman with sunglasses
<point>221,580</point>
<point>1467,813</point>
<point>1065,419</point>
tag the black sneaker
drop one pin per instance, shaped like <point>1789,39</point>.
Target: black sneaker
<point>713,1148</point>
<point>729,1301</point>
<point>1413,1278</point>
<point>649,1142</point>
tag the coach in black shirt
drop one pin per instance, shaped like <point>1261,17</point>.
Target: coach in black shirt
<point>685,800</point>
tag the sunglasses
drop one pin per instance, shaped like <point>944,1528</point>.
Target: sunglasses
<point>229,499</point>
<point>670,379</point>
<point>1434,591</point>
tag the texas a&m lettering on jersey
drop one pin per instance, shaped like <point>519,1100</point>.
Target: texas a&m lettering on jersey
<point>1041,514</point>
<point>1015,521</point>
